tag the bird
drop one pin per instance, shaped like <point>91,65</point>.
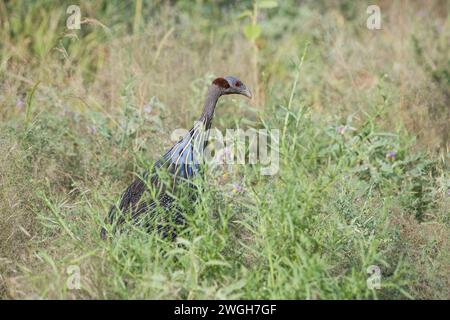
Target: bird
<point>182,162</point>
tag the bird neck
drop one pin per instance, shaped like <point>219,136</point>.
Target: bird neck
<point>212,96</point>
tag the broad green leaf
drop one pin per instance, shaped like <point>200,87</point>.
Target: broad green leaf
<point>252,31</point>
<point>246,13</point>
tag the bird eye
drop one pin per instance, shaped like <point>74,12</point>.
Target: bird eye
<point>238,84</point>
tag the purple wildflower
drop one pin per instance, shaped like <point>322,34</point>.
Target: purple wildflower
<point>391,155</point>
<point>123,124</point>
<point>20,104</point>
<point>236,188</point>
<point>92,129</point>
<point>148,108</point>
<point>226,155</point>
<point>341,129</point>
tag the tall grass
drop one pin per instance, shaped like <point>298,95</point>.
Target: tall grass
<point>363,176</point>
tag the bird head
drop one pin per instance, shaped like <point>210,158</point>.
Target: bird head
<point>232,85</point>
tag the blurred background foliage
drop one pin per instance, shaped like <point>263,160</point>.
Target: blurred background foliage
<point>364,156</point>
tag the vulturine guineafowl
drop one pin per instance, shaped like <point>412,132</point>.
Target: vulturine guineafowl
<point>181,163</point>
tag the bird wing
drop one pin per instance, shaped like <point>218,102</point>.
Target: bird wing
<point>181,161</point>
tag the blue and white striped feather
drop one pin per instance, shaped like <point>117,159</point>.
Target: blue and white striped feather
<point>184,158</point>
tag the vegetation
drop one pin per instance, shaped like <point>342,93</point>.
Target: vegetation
<point>364,148</point>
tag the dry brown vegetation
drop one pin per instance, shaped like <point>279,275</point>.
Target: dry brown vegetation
<point>67,150</point>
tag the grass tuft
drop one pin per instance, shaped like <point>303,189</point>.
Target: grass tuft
<point>364,149</point>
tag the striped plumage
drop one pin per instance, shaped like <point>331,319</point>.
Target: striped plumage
<point>182,162</point>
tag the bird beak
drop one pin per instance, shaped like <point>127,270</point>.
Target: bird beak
<point>247,93</point>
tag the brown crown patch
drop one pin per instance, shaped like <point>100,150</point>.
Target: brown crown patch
<point>221,82</point>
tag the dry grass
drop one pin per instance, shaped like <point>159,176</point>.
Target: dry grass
<point>60,172</point>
